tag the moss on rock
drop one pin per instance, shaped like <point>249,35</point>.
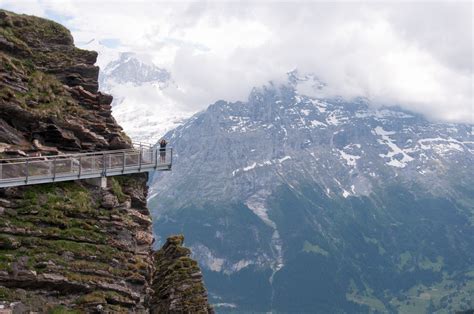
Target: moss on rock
<point>177,284</point>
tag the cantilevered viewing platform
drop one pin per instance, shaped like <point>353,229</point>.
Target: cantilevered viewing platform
<point>103,164</point>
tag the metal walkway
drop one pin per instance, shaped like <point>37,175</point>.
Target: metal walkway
<point>47,169</point>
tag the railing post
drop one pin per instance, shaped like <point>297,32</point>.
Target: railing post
<point>80,166</point>
<point>27,170</point>
<point>104,165</point>
<point>140,159</point>
<point>54,169</point>
<point>171,156</point>
<point>123,162</point>
<point>156,157</point>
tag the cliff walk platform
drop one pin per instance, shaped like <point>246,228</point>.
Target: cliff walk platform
<point>96,166</point>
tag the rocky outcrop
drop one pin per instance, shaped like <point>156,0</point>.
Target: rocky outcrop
<point>60,244</point>
<point>177,283</point>
<point>69,245</point>
<point>49,92</point>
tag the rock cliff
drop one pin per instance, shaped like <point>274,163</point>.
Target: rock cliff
<point>72,246</point>
<point>177,282</point>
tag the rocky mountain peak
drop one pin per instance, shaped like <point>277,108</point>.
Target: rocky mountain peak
<point>129,68</point>
<point>289,180</point>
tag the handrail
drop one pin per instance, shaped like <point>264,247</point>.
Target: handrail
<point>142,145</point>
<point>43,169</point>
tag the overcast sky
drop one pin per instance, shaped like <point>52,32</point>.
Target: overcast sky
<point>418,56</point>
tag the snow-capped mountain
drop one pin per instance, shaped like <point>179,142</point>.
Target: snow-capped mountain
<point>294,203</point>
<point>141,103</point>
<point>129,69</point>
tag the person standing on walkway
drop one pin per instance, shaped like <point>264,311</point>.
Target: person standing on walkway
<point>163,143</point>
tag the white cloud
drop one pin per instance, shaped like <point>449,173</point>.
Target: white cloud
<point>418,56</point>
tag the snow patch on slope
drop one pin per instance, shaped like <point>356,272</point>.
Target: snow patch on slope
<point>351,160</point>
<point>255,165</point>
<point>207,258</point>
<point>257,204</point>
<point>395,150</point>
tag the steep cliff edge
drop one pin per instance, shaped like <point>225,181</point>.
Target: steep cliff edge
<point>69,245</point>
<point>177,281</point>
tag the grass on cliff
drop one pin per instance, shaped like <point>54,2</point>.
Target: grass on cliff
<point>60,309</point>
<point>25,31</point>
<point>45,94</point>
<point>9,64</point>
<point>103,297</point>
<point>66,210</point>
<point>117,190</point>
<point>60,224</point>
<point>32,29</point>
<point>9,35</point>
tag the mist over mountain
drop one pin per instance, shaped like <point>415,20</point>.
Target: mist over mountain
<point>128,69</point>
<point>294,203</point>
<point>142,101</point>
<point>343,186</point>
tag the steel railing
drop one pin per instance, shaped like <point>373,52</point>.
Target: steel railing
<point>44,169</point>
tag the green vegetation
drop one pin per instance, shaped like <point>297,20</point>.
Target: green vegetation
<point>65,210</point>
<point>117,190</point>
<point>9,35</point>
<point>129,180</point>
<point>470,274</point>
<point>59,218</point>
<point>59,309</point>
<point>45,94</point>
<point>175,270</point>
<point>29,29</point>
<point>25,31</point>
<point>313,248</point>
<point>405,258</point>
<point>10,64</point>
<point>446,296</point>
<point>6,294</point>
<point>365,297</point>
<point>103,297</point>
<point>436,266</point>
<point>376,243</point>
<point>372,302</point>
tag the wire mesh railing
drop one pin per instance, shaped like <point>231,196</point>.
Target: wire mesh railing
<point>35,170</point>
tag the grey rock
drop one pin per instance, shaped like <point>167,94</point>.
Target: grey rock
<point>109,200</point>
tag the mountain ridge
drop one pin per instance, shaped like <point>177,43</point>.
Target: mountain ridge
<point>142,104</point>
<point>280,178</point>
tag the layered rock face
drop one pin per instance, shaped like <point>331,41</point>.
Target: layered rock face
<point>76,245</point>
<point>69,245</point>
<point>49,92</point>
<point>177,284</point>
